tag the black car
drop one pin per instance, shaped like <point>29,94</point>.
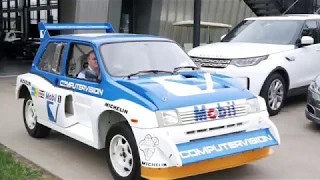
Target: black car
<point>312,110</point>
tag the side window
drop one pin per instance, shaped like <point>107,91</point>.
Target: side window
<point>81,58</point>
<point>311,29</point>
<point>51,60</point>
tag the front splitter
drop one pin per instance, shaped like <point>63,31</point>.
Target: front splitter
<point>205,166</point>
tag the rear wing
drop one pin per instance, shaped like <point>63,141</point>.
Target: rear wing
<point>44,27</point>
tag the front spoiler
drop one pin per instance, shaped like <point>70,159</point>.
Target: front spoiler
<point>216,153</point>
<point>205,166</point>
<point>226,145</point>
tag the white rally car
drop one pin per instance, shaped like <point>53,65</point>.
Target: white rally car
<point>157,115</point>
<point>274,56</point>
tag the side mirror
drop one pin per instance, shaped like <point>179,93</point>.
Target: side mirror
<point>91,75</point>
<point>307,40</point>
<point>222,36</point>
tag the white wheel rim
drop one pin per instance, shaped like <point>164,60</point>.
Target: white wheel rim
<point>121,155</point>
<point>30,114</point>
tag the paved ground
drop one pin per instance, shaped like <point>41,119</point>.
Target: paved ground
<point>296,158</point>
<point>9,67</point>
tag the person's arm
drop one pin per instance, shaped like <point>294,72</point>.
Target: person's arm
<point>81,75</point>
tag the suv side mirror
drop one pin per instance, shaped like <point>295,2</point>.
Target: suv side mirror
<point>222,36</point>
<point>307,40</point>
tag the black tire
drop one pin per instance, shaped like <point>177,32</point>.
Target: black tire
<point>39,130</point>
<point>123,129</point>
<point>265,89</point>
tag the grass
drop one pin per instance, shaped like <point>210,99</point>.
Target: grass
<point>12,169</point>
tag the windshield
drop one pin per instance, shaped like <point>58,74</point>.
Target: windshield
<point>266,31</point>
<point>122,59</point>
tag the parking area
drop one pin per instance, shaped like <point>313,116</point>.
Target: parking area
<point>12,67</point>
<point>295,158</point>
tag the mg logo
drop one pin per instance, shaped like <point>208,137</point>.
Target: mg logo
<point>42,33</point>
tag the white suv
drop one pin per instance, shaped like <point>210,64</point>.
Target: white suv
<point>274,57</point>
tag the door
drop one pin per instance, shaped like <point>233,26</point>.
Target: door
<point>46,96</point>
<point>81,57</point>
<point>303,61</point>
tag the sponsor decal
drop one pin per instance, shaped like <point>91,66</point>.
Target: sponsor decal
<point>25,82</point>
<point>148,146</point>
<point>53,97</point>
<point>150,164</point>
<point>37,92</point>
<point>34,91</point>
<point>52,111</point>
<point>81,87</point>
<point>202,113</point>
<point>224,146</point>
<point>119,109</point>
<point>41,94</point>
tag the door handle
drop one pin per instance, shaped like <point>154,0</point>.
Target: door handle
<point>290,58</point>
<point>318,49</point>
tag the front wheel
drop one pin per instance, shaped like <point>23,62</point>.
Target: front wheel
<point>274,92</point>
<point>122,153</point>
<point>34,129</point>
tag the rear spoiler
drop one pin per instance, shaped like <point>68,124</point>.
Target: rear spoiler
<point>44,27</point>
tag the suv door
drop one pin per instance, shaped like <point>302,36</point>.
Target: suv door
<point>303,62</point>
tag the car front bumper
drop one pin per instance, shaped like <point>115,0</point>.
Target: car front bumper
<point>170,153</point>
<point>312,110</point>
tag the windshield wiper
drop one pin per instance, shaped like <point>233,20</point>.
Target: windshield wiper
<point>182,67</point>
<point>149,71</point>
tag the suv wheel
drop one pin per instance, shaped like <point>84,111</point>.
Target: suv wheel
<point>34,129</point>
<point>122,153</point>
<point>274,92</point>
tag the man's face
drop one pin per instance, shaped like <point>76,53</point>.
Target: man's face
<point>92,61</point>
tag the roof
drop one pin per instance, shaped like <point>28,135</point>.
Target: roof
<point>286,17</point>
<point>99,38</point>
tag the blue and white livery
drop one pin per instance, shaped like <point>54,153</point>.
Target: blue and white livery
<point>145,101</point>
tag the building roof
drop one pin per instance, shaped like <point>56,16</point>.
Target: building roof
<point>99,38</point>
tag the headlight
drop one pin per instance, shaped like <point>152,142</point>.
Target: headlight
<point>253,105</point>
<point>167,118</point>
<point>248,61</point>
<point>314,87</point>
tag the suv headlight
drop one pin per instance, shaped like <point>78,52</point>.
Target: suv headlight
<point>167,118</point>
<point>248,61</point>
<point>253,105</point>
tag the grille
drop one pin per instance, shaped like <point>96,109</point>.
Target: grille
<point>211,112</point>
<point>212,62</point>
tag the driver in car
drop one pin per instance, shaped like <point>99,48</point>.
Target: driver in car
<point>92,66</point>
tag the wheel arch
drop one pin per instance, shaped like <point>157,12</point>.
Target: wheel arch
<point>23,92</point>
<point>280,70</point>
<point>105,121</point>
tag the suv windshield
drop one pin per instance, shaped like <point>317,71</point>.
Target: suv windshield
<point>123,59</point>
<point>266,31</point>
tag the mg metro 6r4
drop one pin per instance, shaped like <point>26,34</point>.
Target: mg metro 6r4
<point>144,100</point>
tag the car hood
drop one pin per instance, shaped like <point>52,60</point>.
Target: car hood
<point>226,50</point>
<point>185,89</point>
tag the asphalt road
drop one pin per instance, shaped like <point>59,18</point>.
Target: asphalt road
<point>296,158</point>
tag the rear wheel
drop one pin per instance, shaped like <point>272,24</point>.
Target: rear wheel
<point>34,129</point>
<point>274,92</point>
<point>122,153</point>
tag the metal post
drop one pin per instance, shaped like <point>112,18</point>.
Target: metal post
<point>196,26</point>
